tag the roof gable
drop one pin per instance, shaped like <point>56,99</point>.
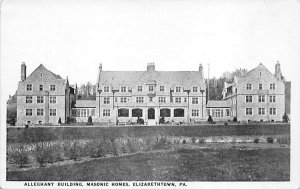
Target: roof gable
<point>44,71</point>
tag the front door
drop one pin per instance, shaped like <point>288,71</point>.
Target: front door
<point>151,113</point>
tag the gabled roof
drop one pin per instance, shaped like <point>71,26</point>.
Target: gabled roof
<point>131,78</point>
<point>85,104</point>
<point>260,66</point>
<point>218,104</point>
<point>42,67</point>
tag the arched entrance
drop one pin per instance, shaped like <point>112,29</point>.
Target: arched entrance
<point>151,113</point>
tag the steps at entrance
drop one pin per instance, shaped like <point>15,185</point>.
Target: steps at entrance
<point>151,122</point>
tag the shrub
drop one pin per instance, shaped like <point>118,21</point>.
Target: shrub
<point>201,140</point>
<point>12,121</point>
<point>160,142</point>
<point>20,156</point>
<point>162,120</point>
<point>210,119</point>
<point>270,140</point>
<point>74,150</point>
<point>256,140</point>
<point>48,153</point>
<point>96,149</point>
<point>90,121</point>
<point>234,119</point>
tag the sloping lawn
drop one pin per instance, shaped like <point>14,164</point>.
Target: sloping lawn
<point>179,165</point>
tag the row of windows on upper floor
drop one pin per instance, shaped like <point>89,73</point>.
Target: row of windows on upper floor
<point>151,88</point>
<point>260,86</point>
<point>260,111</point>
<point>139,99</point>
<point>261,98</point>
<point>29,87</point>
<point>40,99</point>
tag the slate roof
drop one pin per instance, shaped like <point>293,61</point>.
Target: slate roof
<point>41,66</point>
<point>85,104</point>
<point>132,78</point>
<point>218,104</point>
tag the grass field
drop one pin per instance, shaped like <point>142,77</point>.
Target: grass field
<point>33,134</point>
<point>215,164</point>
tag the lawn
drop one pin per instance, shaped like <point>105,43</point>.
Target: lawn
<point>213,164</point>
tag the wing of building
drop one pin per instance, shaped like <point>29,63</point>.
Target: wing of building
<point>257,95</point>
<point>43,97</point>
<point>123,96</point>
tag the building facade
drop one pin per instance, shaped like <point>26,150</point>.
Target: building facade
<point>125,96</point>
<point>257,95</point>
<point>219,110</point>
<point>43,97</point>
<point>83,109</point>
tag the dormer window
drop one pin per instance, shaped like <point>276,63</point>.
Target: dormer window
<point>272,86</point>
<point>29,87</point>
<point>52,87</point>
<point>249,87</point>
<point>260,86</point>
<point>178,89</point>
<point>194,89</point>
<point>162,88</point>
<point>140,88</point>
<point>106,89</point>
<point>41,74</point>
<point>123,89</point>
<point>41,87</point>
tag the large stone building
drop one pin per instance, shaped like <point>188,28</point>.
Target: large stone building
<point>123,96</point>
<point>257,95</point>
<point>43,97</point>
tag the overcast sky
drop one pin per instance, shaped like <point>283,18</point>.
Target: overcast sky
<point>71,38</point>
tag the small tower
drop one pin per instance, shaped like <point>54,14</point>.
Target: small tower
<point>23,71</point>
<point>278,73</point>
<point>151,67</point>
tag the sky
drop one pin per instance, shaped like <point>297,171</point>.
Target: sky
<point>71,38</point>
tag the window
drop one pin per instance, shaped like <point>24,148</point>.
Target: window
<point>40,99</point>
<point>123,99</point>
<point>29,87</point>
<point>194,100</point>
<point>261,111</point>
<point>249,86</point>
<point>28,112</point>
<point>178,112</point>
<point>227,112</point>
<point>162,99</point>
<point>28,122</point>
<point>150,99</point>
<point>52,112</point>
<point>217,113</point>
<point>28,99</point>
<point>52,87</point>
<point>178,89</point>
<point>106,100</point>
<point>41,74</point>
<point>137,112</point>
<point>194,89</point>
<point>93,112</point>
<point>52,99</point>
<point>140,88</point>
<point>40,112</point>
<point>260,86</point>
<point>208,111</point>
<point>195,113</point>
<point>261,98</point>
<point>165,112</point>
<point>248,98</point>
<point>123,112</point>
<point>139,99</point>
<point>123,89</point>
<point>106,89</point>
<point>116,99</point>
<point>162,88</point>
<point>41,87</point>
<point>272,111</point>
<point>185,99</point>
<point>151,88</point>
<point>83,113</point>
<point>178,100</point>
<point>248,111</point>
<point>272,98</point>
<point>106,112</point>
<point>272,86</point>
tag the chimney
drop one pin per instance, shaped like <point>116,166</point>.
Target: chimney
<point>23,71</point>
<point>100,67</point>
<point>201,72</point>
<point>278,74</point>
<point>151,67</point>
